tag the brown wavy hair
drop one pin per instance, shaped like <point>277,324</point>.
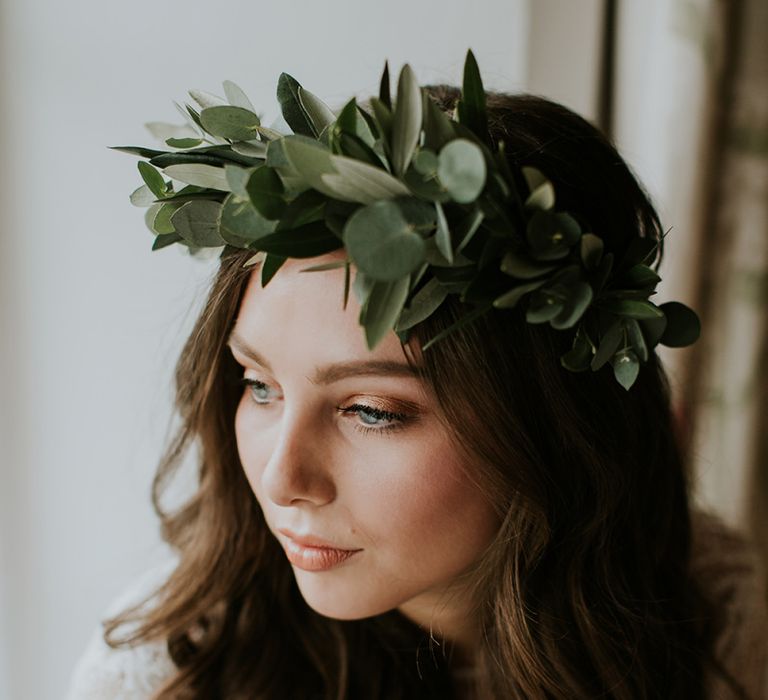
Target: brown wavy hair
<point>585,591</point>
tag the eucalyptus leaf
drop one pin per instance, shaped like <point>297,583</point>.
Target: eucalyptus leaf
<point>206,99</point>
<point>423,304</point>
<point>591,250</point>
<point>272,263</point>
<point>609,343</point>
<point>236,96</point>
<point>632,308</point>
<point>252,148</point>
<point>578,358</point>
<point>354,181</point>
<point>230,122</point>
<point>161,223</point>
<point>142,197</point>
<point>163,240</point>
<point>319,114</point>
<point>636,339</point>
<point>683,325</point>
<point>625,368</point>
<point>307,241</point>
<point>293,112</point>
<point>438,128</point>
<point>578,300</point>
<point>237,179</point>
<point>641,276</point>
<point>443,234</point>
<point>517,264</point>
<point>382,242</point>
<point>183,143</point>
<point>152,179</point>
<point>543,307</point>
<point>510,298</point>
<point>197,223</point>
<point>200,175</point>
<point>383,117</point>
<point>542,192</point>
<point>461,170</point>
<point>382,309</point>
<point>406,120</point>
<point>241,223</point>
<point>265,190</point>
<point>163,131</point>
<point>551,235</point>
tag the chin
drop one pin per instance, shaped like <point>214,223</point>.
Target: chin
<point>340,604</point>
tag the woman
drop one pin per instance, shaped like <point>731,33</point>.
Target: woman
<point>486,523</point>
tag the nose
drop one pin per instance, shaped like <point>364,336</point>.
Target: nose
<point>297,470</point>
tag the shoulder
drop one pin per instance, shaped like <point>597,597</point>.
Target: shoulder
<point>128,673</point>
<point>732,577</point>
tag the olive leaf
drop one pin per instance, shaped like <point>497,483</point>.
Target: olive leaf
<point>406,120</point>
<point>471,106</point>
<point>422,305</point>
<point>230,122</point>
<point>199,174</point>
<point>292,109</point>
<point>382,308</point>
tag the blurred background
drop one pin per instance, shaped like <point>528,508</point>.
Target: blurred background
<point>91,321</point>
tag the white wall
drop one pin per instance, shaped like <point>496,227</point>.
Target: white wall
<point>90,319</point>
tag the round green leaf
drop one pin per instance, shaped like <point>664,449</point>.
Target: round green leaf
<point>550,235</point>
<point>382,242</point>
<point>197,222</point>
<point>265,190</point>
<point>683,325</point>
<point>591,250</point>
<point>241,223</point>
<point>461,170</point>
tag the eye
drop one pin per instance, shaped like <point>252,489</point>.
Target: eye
<point>374,420</point>
<point>260,392</point>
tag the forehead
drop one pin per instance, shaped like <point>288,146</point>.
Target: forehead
<point>301,315</point>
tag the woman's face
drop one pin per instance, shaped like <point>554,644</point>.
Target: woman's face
<point>344,444</point>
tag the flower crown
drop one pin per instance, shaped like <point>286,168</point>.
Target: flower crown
<point>424,207</point>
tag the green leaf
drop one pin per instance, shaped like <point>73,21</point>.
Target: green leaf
<point>252,149</point>
<point>236,97</point>
<point>543,307</point>
<point>354,181</point>
<point>241,223</point>
<point>579,298</point>
<point>641,276</point>
<point>471,107</point>
<point>636,339</point>
<point>577,359</point>
<point>653,329</point>
<point>183,143</point>
<point>200,175</point>
<point>163,131</point>
<point>265,190</point>
<point>197,223</point>
<point>383,117</point>
<point>290,104</point>
<point>385,94</point>
<point>406,120</point>
<point>625,368</point>
<point>206,99</point>
<point>423,304</point>
<point>542,192</point>
<point>517,264</point>
<point>142,197</point>
<point>307,241</point>
<point>683,325</point>
<point>318,113</point>
<point>230,122</point>
<point>438,128</point>
<point>510,298</point>
<point>271,264</point>
<point>443,234</point>
<point>163,240</point>
<point>152,178</point>
<point>382,240</point>
<point>551,235</point>
<point>237,179</point>
<point>632,308</point>
<point>609,343</point>
<point>161,223</point>
<point>382,308</point>
<point>326,266</point>
<point>461,170</point>
<point>591,250</point>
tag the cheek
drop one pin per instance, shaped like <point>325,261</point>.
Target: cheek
<point>247,447</point>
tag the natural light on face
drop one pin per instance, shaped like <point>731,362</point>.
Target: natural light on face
<point>344,444</point>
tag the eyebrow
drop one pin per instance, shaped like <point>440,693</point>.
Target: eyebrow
<point>334,372</point>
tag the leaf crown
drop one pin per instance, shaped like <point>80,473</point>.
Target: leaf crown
<point>423,205</point>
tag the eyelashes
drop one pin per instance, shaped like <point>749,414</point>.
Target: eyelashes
<point>369,417</point>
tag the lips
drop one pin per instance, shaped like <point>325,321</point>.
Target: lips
<point>313,553</point>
